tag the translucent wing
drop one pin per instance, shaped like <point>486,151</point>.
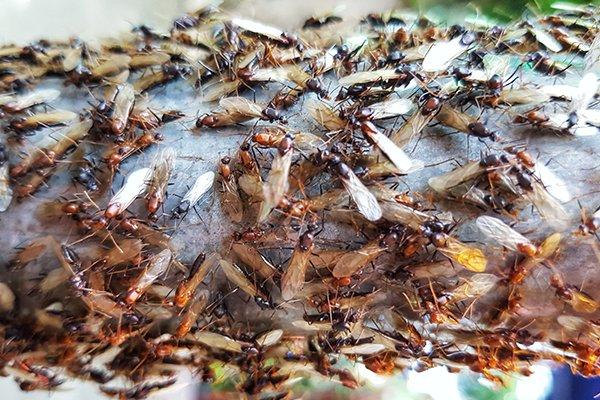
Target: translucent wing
<point>495,65</point>
<point>364,199</point>
<point>279,74</point>
<point>303,141</point>
<point>523,95</point>
<point>135,185</point>
<point>277,183</point>
<point>6,192</point>
<point>548,207</point>
<point>270,338</point>
<point>584,130</point>
<point>260,29</point>
<point>238,278</point>
<point>162,166</point>
<point>549,246</point>
<point>186,288</point>
<point>143,60</point>
<point>216,341</point>
<point>468,193</point>
<point>122,106</point>
<point>53,279</point>
<point>497,232</point>
<point>572,322</point>
<point>191,54</point>
<point>190,315</point>
<point>237,105</point>
<point>553,184</point>
<point>324,326</point>
<point>399,213</point>
<point>21,102</point>
<point>363,349</point>
<point>475,286</point>
<point>325,116</point>
<point>592,57</point>
<point>220,89</point>
<point>566,92</point>
<point>583,303</point>
<point>569,7</point>
<point>297,75</point>
<point>330,200</point>
<point>411,128</point>
<point>391,108</point>
<point>455,177</point>
<point>579,325</point>
<point>560,121</point>
<point>252,258</point>
<point>546,39</point>
<point>293,277</point>
<point>202,185</point>
<point>453,118</point>
<point>112,65</point>
<point>469,257</point>
<point>545,250</point>
<point>357,301</point>
<point>57,117</point>
<point>587,88</point>
<point>308,142</point>
<point>442,53</point>
<point>33,250</point>
<point>351,262</point>
<point>127,250</point>
<point>435,269</point>
<point>71,58</point>
<point>231,201</point>
<point>370,76</point>
<point>70,135</point>
<point>251,184</point>
<point>326,61</point>
<point>394,153</point>
<point>158,265</point>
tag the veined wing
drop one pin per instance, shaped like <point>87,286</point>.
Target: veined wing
<point>497,232</point>
<point>364,199</point>
<point>455,177</point>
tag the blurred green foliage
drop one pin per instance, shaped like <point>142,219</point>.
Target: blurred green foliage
<point>472,388</point>
<point>498,10</point>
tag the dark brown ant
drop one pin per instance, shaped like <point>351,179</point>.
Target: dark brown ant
<point>541,62</point>
<point>272,114</point>
<point>185,22</point>
<point>3,154</point>
<point>590,225</point>
<point>315,85</point>
<point>393,58</point>
<point>140,391</point>
<point>493,160</point>
<point>316,22</point>
<point>480,131</point>
<point>476,57</point>
<point>45,378</point>
<point>431,105</point>
<point>80,75</point>
<point>249,235</point>
<point>461,72</point>
<point>534,117</point>
<point>498,203</point>
<point>84,175</point>
<point>524,180</point>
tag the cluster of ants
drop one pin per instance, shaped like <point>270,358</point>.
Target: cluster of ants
<point>330,261</point>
